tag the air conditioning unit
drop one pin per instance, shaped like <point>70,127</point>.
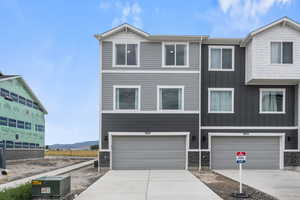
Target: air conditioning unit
<point>51,187</point>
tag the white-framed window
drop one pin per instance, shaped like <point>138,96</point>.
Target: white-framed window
<point>272,100</point>
<point>125,54</point>
<point>175,54</point>
<point>220,100</point>
<point>170,98</point>
<point>221,58</point>
<point>281,52</point>
<point>127,97</point>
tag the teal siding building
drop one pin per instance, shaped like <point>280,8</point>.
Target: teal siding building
<point>22,116</point>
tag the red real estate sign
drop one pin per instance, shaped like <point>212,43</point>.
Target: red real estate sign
<point>240,153</point>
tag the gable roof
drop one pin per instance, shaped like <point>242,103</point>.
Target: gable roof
<point>283,21</point>
<point>9,77</point>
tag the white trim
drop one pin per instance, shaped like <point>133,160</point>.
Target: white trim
<point>281,51</point>
<point>281,135</point>
<point>146,134</point>
<point>272,90</point>
<point>168,87</point>
<point>130,87</point>
<point>126,71</point>
<point>220,47</point>
<point>116,29</point>
<point>175,66</point>
<point>153,112</point>
<point>250,127</point>
<point>221,89</point>
<point>292,150</point>
<point>115,42</point>
<point>199,104</point>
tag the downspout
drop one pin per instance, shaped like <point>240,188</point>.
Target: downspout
<point>199,74</point>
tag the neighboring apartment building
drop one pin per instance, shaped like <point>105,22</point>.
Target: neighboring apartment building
<point>176,102</point>
<point>22,119</point>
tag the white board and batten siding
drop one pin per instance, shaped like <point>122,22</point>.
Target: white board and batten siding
<point>258,55</point>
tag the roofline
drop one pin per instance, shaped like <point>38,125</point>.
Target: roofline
<point>29,89</point>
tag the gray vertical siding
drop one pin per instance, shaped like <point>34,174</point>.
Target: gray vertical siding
<point>149,83</point>
<point>246,108</point>
<point>150,56</point>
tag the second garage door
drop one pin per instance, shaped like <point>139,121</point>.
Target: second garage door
<point>263,152</point>
<point>148,152</point>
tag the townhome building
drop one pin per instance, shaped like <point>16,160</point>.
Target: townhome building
<point>192,101</point>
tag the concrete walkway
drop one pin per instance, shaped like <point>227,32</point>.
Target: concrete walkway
<point>281,184</point>
<point>63,170</point>
<point>148,185</point>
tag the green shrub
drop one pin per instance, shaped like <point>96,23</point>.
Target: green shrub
<point>22,192</point>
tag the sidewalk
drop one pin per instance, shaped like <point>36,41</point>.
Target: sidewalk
<point>50,173</point>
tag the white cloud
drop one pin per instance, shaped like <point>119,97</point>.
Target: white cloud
<point>127,12</point>
<point>239,16</point>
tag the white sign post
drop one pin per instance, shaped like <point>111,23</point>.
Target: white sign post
<point>240,159</point>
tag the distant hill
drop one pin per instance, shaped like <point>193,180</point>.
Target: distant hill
<point>78,145</point>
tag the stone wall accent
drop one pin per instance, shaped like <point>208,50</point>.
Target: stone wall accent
<point>291,159</point>
<point>16,154</point>
<point>104,159</point>
<point>193,160</point>
<point>205,158</point>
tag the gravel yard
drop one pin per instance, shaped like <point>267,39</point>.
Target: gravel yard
<point>23,168</point>
<point>224,186</point>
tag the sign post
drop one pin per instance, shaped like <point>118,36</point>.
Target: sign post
<point>240,160</point>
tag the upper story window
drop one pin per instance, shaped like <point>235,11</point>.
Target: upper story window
<point>12,123</point>
<point>281,52</point>
<point>220,100</point>
<point>221,58</point>
<point>175,55</point>
<point>4,92</point>
<point>14,96</point>
<point>126,97</point>
<point>22,100</point>
<point>272,100</point>
<point>170,97</point>
<point>126,55</point>
<point>3,121</point>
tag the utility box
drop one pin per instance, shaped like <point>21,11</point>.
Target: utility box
<point>52,187</point>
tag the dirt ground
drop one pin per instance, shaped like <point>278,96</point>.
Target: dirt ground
<point>82,178</point>
<point>24,168</point>
<point>224,186</point>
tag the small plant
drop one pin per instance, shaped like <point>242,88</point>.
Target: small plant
<point>22,192</point>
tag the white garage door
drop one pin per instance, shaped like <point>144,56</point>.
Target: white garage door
<point>263,152</point>
<point>148,152</point>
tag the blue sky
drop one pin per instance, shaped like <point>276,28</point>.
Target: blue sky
<point>50,43</point>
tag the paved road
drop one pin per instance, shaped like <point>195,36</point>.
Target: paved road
<point>63,170</point>
<point>281,184</point>
<point>148,185</point>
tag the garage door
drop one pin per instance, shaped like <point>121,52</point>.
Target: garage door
<point>263,152</point>
<point>148,152</point>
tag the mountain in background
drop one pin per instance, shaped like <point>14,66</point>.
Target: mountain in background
<point>78,145</point>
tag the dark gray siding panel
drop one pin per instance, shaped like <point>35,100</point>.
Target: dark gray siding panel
<point>151,123</point>
<point>107,54</point>
<point>291,136</point>
<point>246,108</point>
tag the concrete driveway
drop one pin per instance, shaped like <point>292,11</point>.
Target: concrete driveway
<point>148,185</point>
<point>281,184</point>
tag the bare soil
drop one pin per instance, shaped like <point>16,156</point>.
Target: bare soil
<point>24,168</point>
<point>224,186</point>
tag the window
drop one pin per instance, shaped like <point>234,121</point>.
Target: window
<point>4,92</point>
<point>20,124</point>
<point>18,145</point>
<point>221,58</point>
<point>25,145</point>
<point>170,97</point>
<point>281,52</point>
<point>272,100</point>
<point>14,96</point>
<point>12,123</point>
<point>126,55</point>
<point>9,144</point>
<point>3,121</point>
<point>221,100</point>
<point>22,100</point>
<point>35,105</point>
<point>28,125</point>
<point>175,55</point>
<point>28,103</point>
<point>127,97</point>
